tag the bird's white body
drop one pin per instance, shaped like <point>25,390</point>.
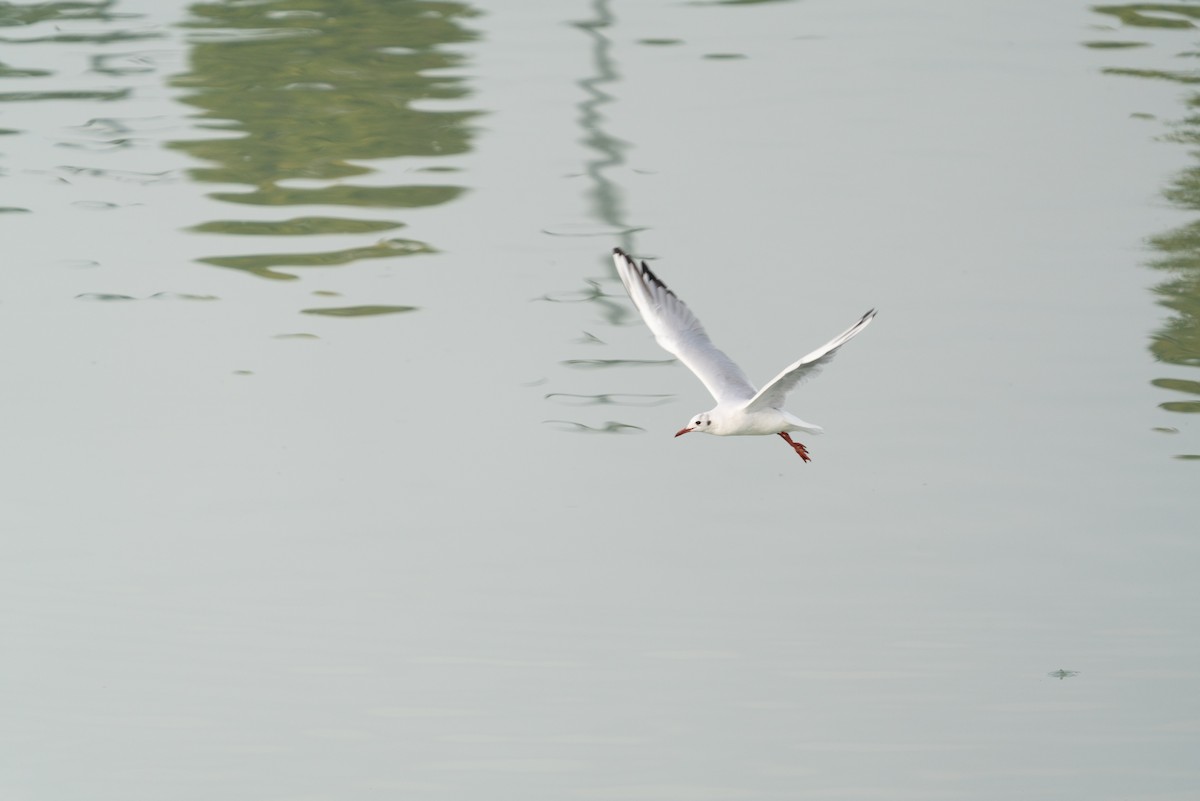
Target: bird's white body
<point>741,410</point>
<point>735,421</point>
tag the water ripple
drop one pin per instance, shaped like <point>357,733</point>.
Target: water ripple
<point>591,364</point>
<point>608,399</point>
<point>610,427</point>
<point>296,226</point>
<point>359,311</point>
<point>264,265</point>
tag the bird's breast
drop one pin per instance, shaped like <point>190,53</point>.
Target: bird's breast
<point>749,424</point>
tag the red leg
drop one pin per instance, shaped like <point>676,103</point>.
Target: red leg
<point>801,451</point>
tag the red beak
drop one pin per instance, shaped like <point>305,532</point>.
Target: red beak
<point>682,431</point>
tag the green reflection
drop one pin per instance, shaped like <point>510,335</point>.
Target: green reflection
<point>317,90</point>
<point>1153,15</point>
<point>19,15</point>
<point>108,37</point>
<point>359,311</point>
<point>13,72</point>
<point>1177,342</point>
<point>264,264</point>
<point>1168,75</point>
<point>1186,407</point>
<point>1114,45</point>
<point>25,97</point>
<point>1178,384</point>
<point>400,197</point>
<point>297,226</point>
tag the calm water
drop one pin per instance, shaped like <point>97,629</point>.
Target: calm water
<point>336,465</point>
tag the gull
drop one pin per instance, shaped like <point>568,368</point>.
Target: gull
<point>741,410</point>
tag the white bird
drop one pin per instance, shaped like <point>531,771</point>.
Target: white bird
<point>740,410</point>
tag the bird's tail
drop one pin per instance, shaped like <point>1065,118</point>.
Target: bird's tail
<point>799,425</point>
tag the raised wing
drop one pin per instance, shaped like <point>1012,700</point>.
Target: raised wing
<point>679,332</point>
<point>771,396</point>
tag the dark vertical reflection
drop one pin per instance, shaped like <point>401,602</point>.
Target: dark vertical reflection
<point>1177,342</point>
<point>609,151</point>
<point>302,95</point>
<point>605,154</point>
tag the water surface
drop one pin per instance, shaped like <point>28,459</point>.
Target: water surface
<point>338,466</point>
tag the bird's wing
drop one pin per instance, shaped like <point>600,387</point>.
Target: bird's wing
<point>679,332</point>
<point>774,391</point>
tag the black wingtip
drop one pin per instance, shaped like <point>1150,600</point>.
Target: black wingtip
<point>644,269</point>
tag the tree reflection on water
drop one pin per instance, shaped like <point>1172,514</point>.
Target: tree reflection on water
<point>1177,342</point>
<point>301,95</point>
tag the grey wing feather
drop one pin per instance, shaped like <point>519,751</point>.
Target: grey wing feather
<point>774,391</point>
<point>679,333</point>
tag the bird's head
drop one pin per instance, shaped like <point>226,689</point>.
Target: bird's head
<point>701,422</point>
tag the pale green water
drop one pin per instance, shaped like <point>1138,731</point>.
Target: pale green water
<point>307,310</point>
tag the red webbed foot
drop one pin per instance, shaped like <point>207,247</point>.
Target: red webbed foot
<point>801,451</point>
